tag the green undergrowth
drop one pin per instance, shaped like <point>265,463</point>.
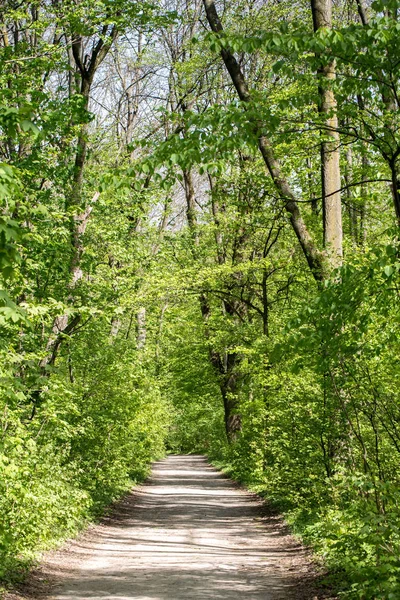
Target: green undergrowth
<point>357,544</point>
<point>40,512</point>
<point>87,443</point>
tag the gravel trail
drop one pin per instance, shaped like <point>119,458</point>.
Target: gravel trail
<point>187,533</point>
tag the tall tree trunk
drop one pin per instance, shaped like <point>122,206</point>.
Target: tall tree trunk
<point>78,222</point>
<point>224,361</point>
<point>330,156</point>
<point>225,365</point>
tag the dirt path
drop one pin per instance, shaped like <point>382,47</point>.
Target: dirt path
<point>188,533</point>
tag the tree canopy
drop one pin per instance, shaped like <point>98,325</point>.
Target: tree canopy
<point>199,252</point>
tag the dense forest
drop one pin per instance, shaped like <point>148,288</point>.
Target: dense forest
<point>199,252</point>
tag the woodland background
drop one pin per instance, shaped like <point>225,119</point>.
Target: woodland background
<point>199,253</point>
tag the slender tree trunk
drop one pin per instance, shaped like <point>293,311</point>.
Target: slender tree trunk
<point>395,187</point>
<point>224,363</point>
<point>362,12</point>
<point>224,366</point>
<point>216,210</point>
<point>115,327</point>
<point>314,203</point>
<point>233,420</point>
<point>391,104</point>
<point>315,258</point>
<point>364,205</point>
<point>78,222</point>
<point>159,335</point>
<point>141,328</point>
<point>190,204</point>
<point>351,209</point>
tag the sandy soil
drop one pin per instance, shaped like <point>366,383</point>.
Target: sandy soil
<point>187,533</point>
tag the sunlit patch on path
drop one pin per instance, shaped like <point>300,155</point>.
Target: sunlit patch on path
<point>188,533</point>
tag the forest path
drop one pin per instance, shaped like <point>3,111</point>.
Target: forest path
<point>187,533</point>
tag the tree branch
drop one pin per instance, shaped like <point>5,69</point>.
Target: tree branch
<point>316,259</point>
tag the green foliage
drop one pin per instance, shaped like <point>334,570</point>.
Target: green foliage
<point>320,437</point>
<point>81,411</point>
<point>151,317</point>
<point>87,441</point>
<point>188,382</point>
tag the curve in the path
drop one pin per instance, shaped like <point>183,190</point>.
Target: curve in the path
<point>188,533</point>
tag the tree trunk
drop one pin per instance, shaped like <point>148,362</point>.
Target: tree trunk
<point>314,202</point>
<point>224,367</point>
<point>330,156</point>
<point>351,208</point>
<point>216,210</point>
<point>315,258</point>
<point>78,222</point>
<point>395,187</point>
<point>364,204</point>
<point>190,204</point>
<point>141,328</point>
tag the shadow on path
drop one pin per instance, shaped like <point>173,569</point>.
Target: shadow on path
<point>188,533</point>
